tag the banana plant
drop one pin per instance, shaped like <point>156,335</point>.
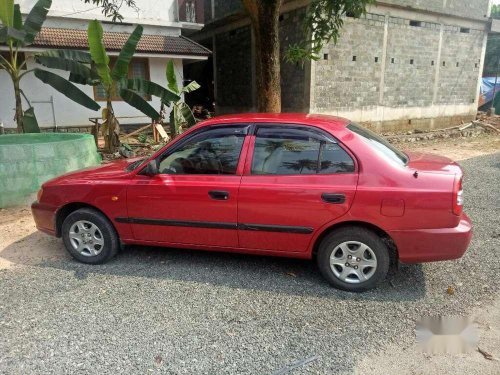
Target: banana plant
<point>181,114</point>
<point>17,35</point>
<point>94,69</point>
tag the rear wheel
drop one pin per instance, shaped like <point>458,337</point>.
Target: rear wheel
<point>353,259</point>
<point>89,236</point>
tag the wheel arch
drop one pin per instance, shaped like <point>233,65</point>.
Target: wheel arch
<point>63,212</point>
<point>391,245</point>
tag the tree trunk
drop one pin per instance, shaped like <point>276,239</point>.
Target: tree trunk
<point>264,15</point>
<point>19,107</point>
<point>112,136</point>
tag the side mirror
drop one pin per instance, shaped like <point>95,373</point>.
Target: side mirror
<point>151,169</point>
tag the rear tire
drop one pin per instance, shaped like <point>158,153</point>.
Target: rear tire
<point>89,236</point>
<point>353,259</point>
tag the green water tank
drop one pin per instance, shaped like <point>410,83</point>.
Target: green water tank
<point>28,160</point>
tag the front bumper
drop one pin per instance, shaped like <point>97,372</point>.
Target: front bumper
<point>44,216</point>
<point>429,245</point>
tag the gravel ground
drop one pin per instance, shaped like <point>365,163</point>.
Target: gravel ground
<point>185,312</point>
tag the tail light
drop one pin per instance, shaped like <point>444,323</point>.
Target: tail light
<point>39,195</point>
<point>458,199</point>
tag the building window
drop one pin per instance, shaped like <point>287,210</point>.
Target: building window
<point>190,11</point>
<point>20,58</point>
<point>138,68</point>
<point>415,23</point>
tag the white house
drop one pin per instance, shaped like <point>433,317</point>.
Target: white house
<point>66,26</point>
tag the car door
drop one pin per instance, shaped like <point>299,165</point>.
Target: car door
<point>297,179</point>
<point>193,198</point>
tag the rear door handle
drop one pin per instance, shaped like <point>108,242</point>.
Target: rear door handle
<point>219,195</point>
<point>334,198</point>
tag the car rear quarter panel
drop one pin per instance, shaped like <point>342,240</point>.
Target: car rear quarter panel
<point>393,197</point>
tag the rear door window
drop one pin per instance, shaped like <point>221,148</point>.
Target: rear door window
<point>289,150</point>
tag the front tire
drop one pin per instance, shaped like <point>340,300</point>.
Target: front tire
<point>353,259</point>
<point>89,236</point>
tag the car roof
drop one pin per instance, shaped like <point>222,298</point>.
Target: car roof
<point>332,122</point>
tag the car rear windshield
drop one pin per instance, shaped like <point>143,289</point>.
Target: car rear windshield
<point>379,144</point>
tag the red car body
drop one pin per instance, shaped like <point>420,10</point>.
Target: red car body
<point>413,205</point>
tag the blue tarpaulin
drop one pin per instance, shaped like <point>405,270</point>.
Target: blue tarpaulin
<point>486,93</point>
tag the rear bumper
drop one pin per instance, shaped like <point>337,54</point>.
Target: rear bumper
<point>44,216</point>
<point>429,245</point>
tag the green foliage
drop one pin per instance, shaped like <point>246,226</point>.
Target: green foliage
<point>67,88</point>
<point>181,113</point>
<point>492,55</point>
<point>7,12</point>
<point>321,25</point>
<point>120,69</point>
<point>151,88</point>
<point>137,101</point>
<point>15,34</point>
<point>35,19</point>
<point>495,11</point>
<point>98,53</point>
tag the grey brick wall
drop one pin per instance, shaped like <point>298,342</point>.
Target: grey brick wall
<point>234,68</point>
<point>464,8</point>
<point>408,84</point>
<point>342,83</point>
<point>458,84</point>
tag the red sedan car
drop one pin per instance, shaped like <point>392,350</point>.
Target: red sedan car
<point>292,185</point>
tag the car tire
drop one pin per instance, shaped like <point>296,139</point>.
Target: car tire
<point>89,236</point>
<point>353,259</point>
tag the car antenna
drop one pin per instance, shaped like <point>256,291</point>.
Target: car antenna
<point>415,174</point>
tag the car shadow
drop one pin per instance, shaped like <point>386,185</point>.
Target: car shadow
<point>260,273</point>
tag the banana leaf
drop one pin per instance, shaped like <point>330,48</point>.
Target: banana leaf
<point>137,101</point>
<point>35,19</point>
<point>187,114</point>
<point>171,78</point>
<point>18,18</point>
<point>75,78</point>
<point>7,12</point>
<point>7,33</point>
<point>66,88</point>
<point>98,53</point>
<point>30,123</point>
<point>68,65</point>
<point>120,70</point>
<point>69,54</point>
<point>191,87</point>
<point>146,87</point>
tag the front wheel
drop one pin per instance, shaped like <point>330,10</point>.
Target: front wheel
<point>353,259</point>
<point>89,236</point>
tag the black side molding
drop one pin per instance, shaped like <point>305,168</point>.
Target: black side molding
<point>275,228</point>
<point>177,223</point>
<point>334,198</point>
<point>216,225</point>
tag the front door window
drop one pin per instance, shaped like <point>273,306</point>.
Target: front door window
<point>215,151</point>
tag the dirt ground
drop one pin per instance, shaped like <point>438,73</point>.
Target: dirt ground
<point>456,148</point>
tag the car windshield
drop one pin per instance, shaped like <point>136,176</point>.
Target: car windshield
<point>379,144</point>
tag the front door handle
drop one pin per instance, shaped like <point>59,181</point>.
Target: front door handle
<point>219,195</point>
<point>334,198</point>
